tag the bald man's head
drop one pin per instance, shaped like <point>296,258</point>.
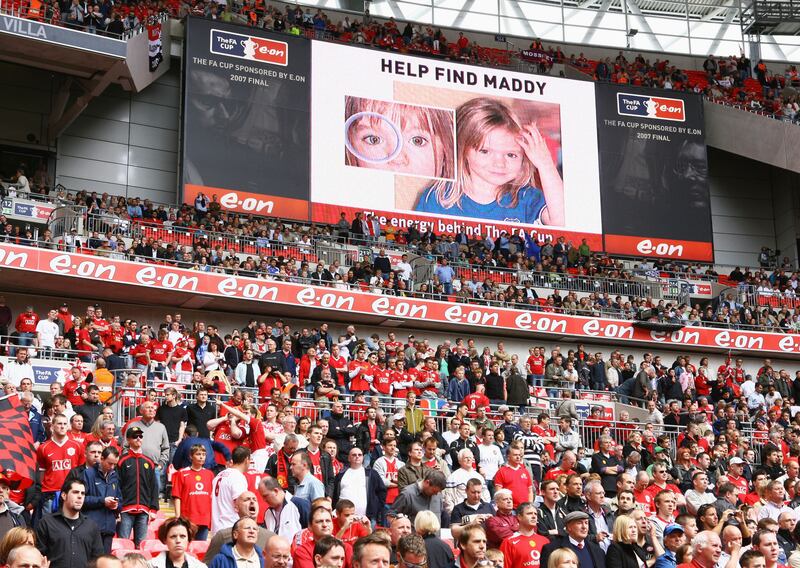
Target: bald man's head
<point>247,505</point>
<point>277,553</point>
<point>25,556</point>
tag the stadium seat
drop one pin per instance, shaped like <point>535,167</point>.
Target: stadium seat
<point>122,543</point>
<point>198,548</point>
<point>153,545</point>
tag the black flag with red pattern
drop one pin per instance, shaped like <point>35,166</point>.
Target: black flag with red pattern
<point>17,456</point>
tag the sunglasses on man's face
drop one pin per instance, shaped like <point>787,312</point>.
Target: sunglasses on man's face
<point>138,436</point>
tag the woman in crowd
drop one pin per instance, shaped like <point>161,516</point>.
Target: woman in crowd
<point>624,551</point>
<point>176,534</point>
<point>439,553</point>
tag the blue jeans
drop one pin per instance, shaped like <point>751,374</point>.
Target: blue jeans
<point>23,339</point>
<point>136,522</point>
<point>537,380</point>
<point>202,533</point>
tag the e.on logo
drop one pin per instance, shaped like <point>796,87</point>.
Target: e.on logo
<point>647,246</point>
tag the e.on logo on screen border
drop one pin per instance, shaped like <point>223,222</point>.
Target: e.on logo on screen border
<point>646,106</point>
<point>249,47</point>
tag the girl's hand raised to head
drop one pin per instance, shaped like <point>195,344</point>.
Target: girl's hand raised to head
<point>535,147</point>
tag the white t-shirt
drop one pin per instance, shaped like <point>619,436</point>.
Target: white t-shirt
<point>405,270</point>
<point>226,488</point>
<point>491,460</point>
<point>47,331</point>
<point>354,488</point>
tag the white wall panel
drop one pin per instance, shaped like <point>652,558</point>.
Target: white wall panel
<point>126,144</point>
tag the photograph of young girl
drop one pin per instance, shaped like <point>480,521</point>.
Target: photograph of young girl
<point>507,164</point>
<point>401,138</point>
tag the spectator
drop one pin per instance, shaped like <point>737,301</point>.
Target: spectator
<point>515,476</point>
<point>103,495</point>
<point>363,486</point>
<point>320,525</point>
<point>424,495</point>
<point>68,538</point>
<point>156,445</point>
<point>191,491</point>
<point>242,548</point>
<point>287,515</point>
<point>176,534</point>
<point>434,549</point>
<point>139,487</point>
<point>227,487</point>
<point>246,507</point>
<point>10,512</point>
<point>520,547</point>
<point>576,526</point>
<point>504,523</point>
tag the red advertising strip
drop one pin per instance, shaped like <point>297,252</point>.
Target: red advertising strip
<point>659,248</point>
<point>330,214</point>
<point>479,318</point>
<point>244,202</point>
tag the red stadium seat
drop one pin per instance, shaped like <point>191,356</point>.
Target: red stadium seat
<point>198,548</point>
<point>153,546</point>
<point>122,543</point>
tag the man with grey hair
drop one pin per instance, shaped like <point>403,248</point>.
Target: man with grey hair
<point>246,506</point>
<point>424,495</point>
<point>504,523</point>
<point>706,549</point>
<point>155,444</point>
<point>26,556</point>
<point>607,465</point>
<point>601,519</point>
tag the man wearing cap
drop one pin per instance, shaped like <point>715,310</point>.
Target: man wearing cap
<point>137,480</point>
<point>674,538</point>
<point>10,512</point>
<point>736,476</point>
<point>576,525</point>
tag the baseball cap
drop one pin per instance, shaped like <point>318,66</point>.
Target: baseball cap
<point>134,432</point>
<point>399,416</point>
<point>671,528</point>
<point>736,461</point>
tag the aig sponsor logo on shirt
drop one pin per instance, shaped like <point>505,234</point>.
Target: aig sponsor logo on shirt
<point>646,106</point>
<point>249,47</point>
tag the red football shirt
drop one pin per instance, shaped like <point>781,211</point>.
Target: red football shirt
<point>57,460</point>
<point>521,551</point>
<point>193,488</point>
<point>159,350</point>
<point>518,481</point>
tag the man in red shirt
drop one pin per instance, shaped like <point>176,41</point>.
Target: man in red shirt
<point>476,399</point>
<point>535,366</point>
<point>26,328</point>
<point>381,379</point>
<point>75,388</point>
<point>56,458</point>
<point>160,351</point>
<point>191,489</point>
<point>401,379</point>
<point>523,549</point>
<point>358,371</point>
<point>76,432</point>
<point>515,476</point>
<point>735,471</point>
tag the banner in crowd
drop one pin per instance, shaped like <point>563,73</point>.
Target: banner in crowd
<point>536,56</point>
<point>155,50</point>
<point>159,278</point>
<point>246,129</point>
<point>653,173</point>
<point>288,127</point>
<point>17,455</point>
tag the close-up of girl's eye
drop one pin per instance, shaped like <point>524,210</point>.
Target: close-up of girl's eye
<point>419,141</point>
<point>371,139</point>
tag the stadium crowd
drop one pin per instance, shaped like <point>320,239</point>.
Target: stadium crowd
<point>270,447</point>
<point>506,271</point>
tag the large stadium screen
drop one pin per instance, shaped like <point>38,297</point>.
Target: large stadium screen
<point>282,126</point>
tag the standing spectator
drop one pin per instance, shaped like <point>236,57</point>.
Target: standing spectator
<point>445,273</point>
<point>464,441</point>
<point>56,458</point>
<point>191,490</point>
<point>156,444</point>
<point>533,447</point>
<point>424,495</point>
<point>287,515</point>
<point>103,495</point>
<point>91,409</point>
<point>607,465</point>
<point>139,485</point>
<point>25,325</point>
<point>10,512</point>
<point>47,330</point>
<point>199,413</point>
<point>515,476</point>
<point>68,538</point>
<point>174,417</point>
<point>308,487</point>
<point>227,487</point>
<point>5,318</point>
<point>20,368</point>
<point>363,486</point>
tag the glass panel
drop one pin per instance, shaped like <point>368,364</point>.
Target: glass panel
<point>701,46</point>
<point>704,30</point>
<point>473,6</point>
<point>465,20</point>
<point>610,38</point>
